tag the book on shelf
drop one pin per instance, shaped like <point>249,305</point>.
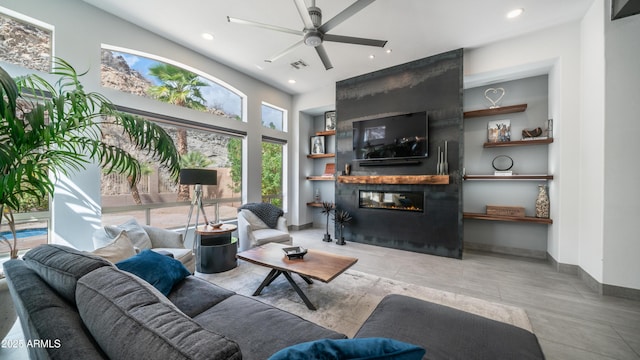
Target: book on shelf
<point>329,169</point>
<point>535,138</point>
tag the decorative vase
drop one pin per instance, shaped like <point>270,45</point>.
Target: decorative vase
<point>347,169</point>
<point>542,202</point>
<point>7,311</point>
<point>316,197</point>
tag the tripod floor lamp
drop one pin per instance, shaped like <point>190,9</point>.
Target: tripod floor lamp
<point>197,177</point>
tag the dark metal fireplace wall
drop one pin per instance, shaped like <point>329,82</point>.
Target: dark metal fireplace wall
<point>392,200</point>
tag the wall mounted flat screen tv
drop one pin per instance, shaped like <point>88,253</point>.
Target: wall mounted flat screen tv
<point>392,137</point>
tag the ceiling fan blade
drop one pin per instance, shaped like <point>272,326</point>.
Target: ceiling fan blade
<point>324,57</point>
<point>284,52</point>
<point>354,40</point>
<point>264,26</point>
<point>304,14</point>
<point>344,15</point>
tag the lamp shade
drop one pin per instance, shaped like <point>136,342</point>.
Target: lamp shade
<point>198,176</point>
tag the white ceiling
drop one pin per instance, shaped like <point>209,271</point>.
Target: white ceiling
<point>414,29</point>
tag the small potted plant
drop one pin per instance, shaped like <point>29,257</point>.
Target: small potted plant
<point>342,218</point>
<point>327,209</point>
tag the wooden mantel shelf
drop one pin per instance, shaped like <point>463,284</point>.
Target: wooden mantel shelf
<point>527,219</point>
<point>496,111</point>
<point>395,179</point>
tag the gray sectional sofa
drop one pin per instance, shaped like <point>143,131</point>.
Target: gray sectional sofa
<point>80,306</point>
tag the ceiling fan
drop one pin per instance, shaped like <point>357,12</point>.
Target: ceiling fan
<point>314,32</point>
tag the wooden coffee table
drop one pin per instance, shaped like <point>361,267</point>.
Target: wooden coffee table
<point>318,265</point>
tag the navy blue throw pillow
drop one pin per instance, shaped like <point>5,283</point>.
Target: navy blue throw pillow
<point>158,270</point>
<point>364,348</point>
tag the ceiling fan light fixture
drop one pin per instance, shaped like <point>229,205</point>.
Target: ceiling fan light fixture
<point>313,38</point>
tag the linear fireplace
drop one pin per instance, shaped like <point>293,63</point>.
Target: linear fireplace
<point>392,200</point>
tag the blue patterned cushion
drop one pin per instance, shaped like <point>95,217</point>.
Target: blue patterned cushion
<point>158,270</point>
<point>344,349</point>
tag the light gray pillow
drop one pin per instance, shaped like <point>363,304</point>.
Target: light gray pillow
<point>139,238</point>
<point>121,248</point>
<point>130,319</point>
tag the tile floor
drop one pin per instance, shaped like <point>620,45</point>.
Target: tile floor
<point>570,320</point>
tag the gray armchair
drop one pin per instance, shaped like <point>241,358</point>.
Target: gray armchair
<point>252,231</point>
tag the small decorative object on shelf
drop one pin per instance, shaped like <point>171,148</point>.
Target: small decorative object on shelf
<point>542,202</point>
<point>341,217</point>
<point>549,128</point>
<point>295,252</point>
<point>502,165</point>
<point>330,120</point>
<point>327,209</point>
<point>317,145</point>
<point>494,96</point>
<point>499,131</point>
<point>442,168</point>
<point>347,169</point>
<point>531,134</point>
<point>316,196</point>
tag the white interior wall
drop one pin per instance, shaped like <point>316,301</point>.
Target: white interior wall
<point>621,149</point>
<point>592,142</point>
<point>80,29</point>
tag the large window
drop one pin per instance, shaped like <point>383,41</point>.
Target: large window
<point>28,43</point>
<point>168,82</point>
<point>25,41</point>
<point>272,172</point>
<point>273,117</point>
<point>157,199</point>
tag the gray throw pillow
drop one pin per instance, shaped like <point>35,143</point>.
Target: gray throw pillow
<point>130,319</point>
<point>61,267</point>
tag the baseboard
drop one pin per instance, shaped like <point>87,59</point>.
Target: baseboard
<point>300,227</point>
<point>535,254</point>
<point>592,283</point>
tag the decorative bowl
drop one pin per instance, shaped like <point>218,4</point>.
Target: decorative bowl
<point>294,252</point>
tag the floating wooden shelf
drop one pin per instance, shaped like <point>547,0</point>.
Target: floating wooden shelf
<point>321,178</point>
<point>320,156</point>
<point>326,133</point>
<point>497,111</point>
<point>525,219</point>
<point>518,143</point>
<point>314,204</point>
<point>396,179</point>
<point>512,177</point>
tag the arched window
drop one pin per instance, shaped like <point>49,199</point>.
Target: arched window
<point>168,81</point>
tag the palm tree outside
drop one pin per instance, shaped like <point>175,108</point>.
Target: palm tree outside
<point>179,87</point>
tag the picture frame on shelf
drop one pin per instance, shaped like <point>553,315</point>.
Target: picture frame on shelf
<point>316,144</point>
<point>330,120</point>
<point>499,131</point>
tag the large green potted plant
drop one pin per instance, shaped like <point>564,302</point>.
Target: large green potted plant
<point>51,130</point>
<point>48,130</point>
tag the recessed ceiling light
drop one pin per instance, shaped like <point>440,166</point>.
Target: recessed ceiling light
<point>259,67</point>
<point>372,56</point>
<point>207,36</point>
<point>388,51</point>
<point>515,13</point>
<point>291,81</point>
